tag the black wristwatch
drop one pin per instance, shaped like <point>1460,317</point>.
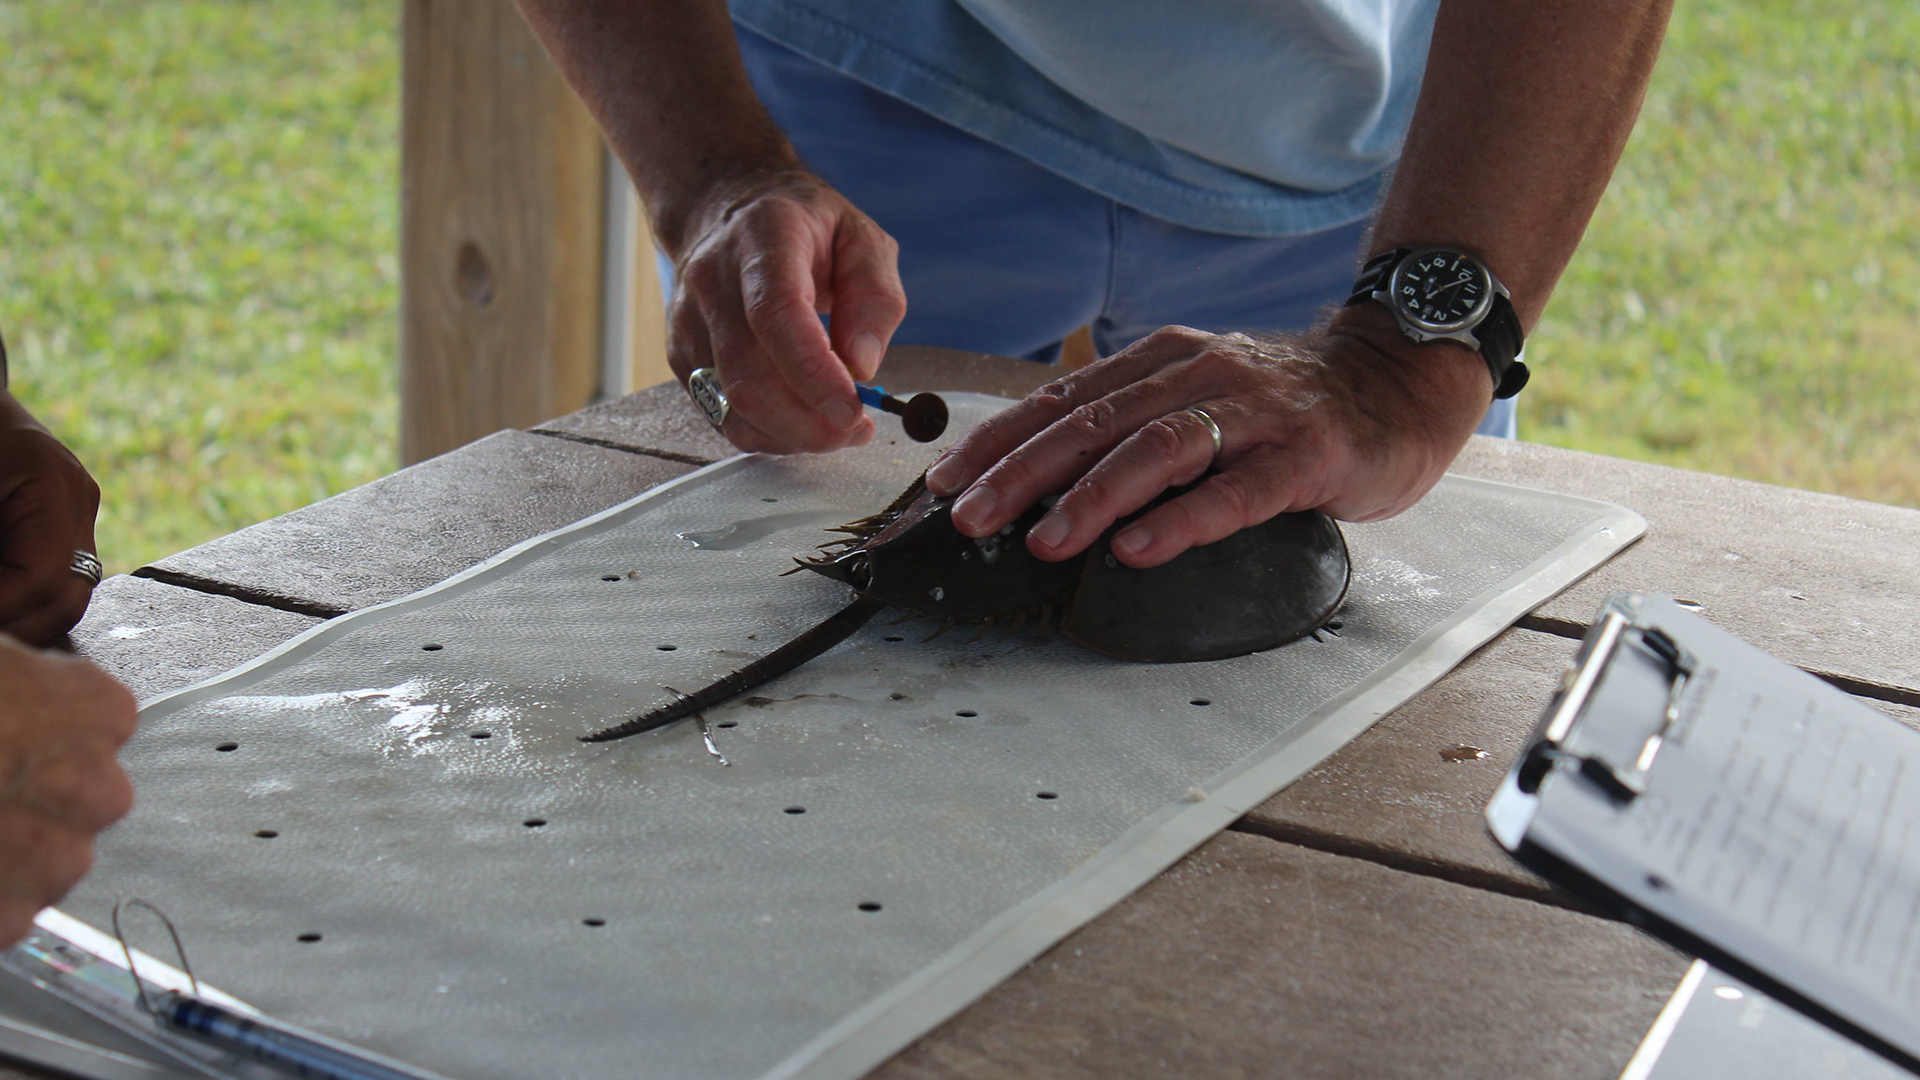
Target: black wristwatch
<point>1439,294</point>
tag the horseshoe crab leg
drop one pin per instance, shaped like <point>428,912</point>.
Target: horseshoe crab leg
<point>825,635</point>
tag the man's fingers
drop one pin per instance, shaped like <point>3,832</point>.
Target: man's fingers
<point>59,782</point>
<point>80,786</point>
<point>868,300</point>
<point>1165,452</point>
<point>45,615</point>
<point>994,439</point>
<point>46,515</point>
<point>44,862</point>
<point>781,303</point>
<point>1247,493</point>
<point>1147,411</point>
<point>711,329</point>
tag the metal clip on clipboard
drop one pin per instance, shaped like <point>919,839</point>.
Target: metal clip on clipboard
<point>1624,783</point>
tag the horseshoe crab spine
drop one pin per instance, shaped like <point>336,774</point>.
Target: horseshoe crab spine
<point>824,635</point>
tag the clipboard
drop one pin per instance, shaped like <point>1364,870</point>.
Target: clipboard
<point>1716,1027</point>
<point>1737,807</point>
<point>104,1010</point>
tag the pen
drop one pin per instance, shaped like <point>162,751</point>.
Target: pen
<point>258,1039</point>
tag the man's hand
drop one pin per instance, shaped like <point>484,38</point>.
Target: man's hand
<point>777,252</point>
<point>1353,419</point>
<point>47,506</point>
<point>761,246</point>
<point>61,721</point>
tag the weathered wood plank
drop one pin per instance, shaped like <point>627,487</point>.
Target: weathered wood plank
<point>1252,958</point>
<point>1410,792</point>
<point>1822,581</point>
<point>406,531</point>
<point>502,235</point>
<point>158,638</point>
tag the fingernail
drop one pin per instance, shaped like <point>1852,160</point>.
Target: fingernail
<point>839,413</point>
<point>866,352</point>
<point>944,477</point>
<point>974,507</point>
<point>1133,540</point>
<point>1052,530</point>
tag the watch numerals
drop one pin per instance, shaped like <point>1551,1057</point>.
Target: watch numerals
<point>1436,290</point>
<point>1440,288</point>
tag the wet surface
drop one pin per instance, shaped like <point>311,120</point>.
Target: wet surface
<point>738,534</point>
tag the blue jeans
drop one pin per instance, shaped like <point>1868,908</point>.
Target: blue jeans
<point>999,255</point>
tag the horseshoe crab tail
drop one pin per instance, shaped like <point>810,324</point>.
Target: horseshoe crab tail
<point>825,635</point>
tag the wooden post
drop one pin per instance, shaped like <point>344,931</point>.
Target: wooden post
<point>504,246</point>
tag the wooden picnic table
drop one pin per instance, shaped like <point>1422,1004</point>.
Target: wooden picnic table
<point>1360,923</point>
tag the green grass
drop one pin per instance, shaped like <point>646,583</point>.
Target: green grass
<point>198,276</point>
<point>1747,300</point>
<point>199,201</point>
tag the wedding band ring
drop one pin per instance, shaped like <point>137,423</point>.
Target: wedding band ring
<point>1213,432</point>
<point>704,385</point>
<point>87,565</point>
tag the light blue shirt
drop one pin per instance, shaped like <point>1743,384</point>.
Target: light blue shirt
<point>1248,117</point>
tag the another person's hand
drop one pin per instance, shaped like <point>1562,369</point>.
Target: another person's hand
<point>761,263</point>
<point>1353,419</point>
<point>47,507</point>
<point>61,721</point>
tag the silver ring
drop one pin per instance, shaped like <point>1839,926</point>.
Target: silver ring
<point>704,385</point>
<point>1213,432</point>
<point>87,565</point>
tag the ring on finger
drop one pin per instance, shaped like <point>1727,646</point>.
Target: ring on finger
<point>1213,432</point>
<point>704,386</point>
<point>87,565</point>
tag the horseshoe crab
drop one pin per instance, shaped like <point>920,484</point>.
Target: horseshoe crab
<point>1262,587</point>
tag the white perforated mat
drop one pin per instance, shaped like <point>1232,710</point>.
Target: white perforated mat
<point>386,830</point>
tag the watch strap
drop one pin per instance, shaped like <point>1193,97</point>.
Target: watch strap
<point>1500,340</point>
<point>1373,276</point>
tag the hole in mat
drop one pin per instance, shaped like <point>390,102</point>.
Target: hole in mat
<point>869,905</point>
<point>308,937</point>
<point>666,648</point>
<point>728,723</point>
<point>609,577</point>
<point>479,734</point>
<point>227,747</point>
<point>1046,795</point>
<point>1201,701</point>
<point>796,810</point>
<point>265,834</point>
<point>966,714</point>
<point>534,822</point>
<point>431,648</point>
<point>593,922</point>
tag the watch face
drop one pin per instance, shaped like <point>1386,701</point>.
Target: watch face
<point>1441,290</point>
